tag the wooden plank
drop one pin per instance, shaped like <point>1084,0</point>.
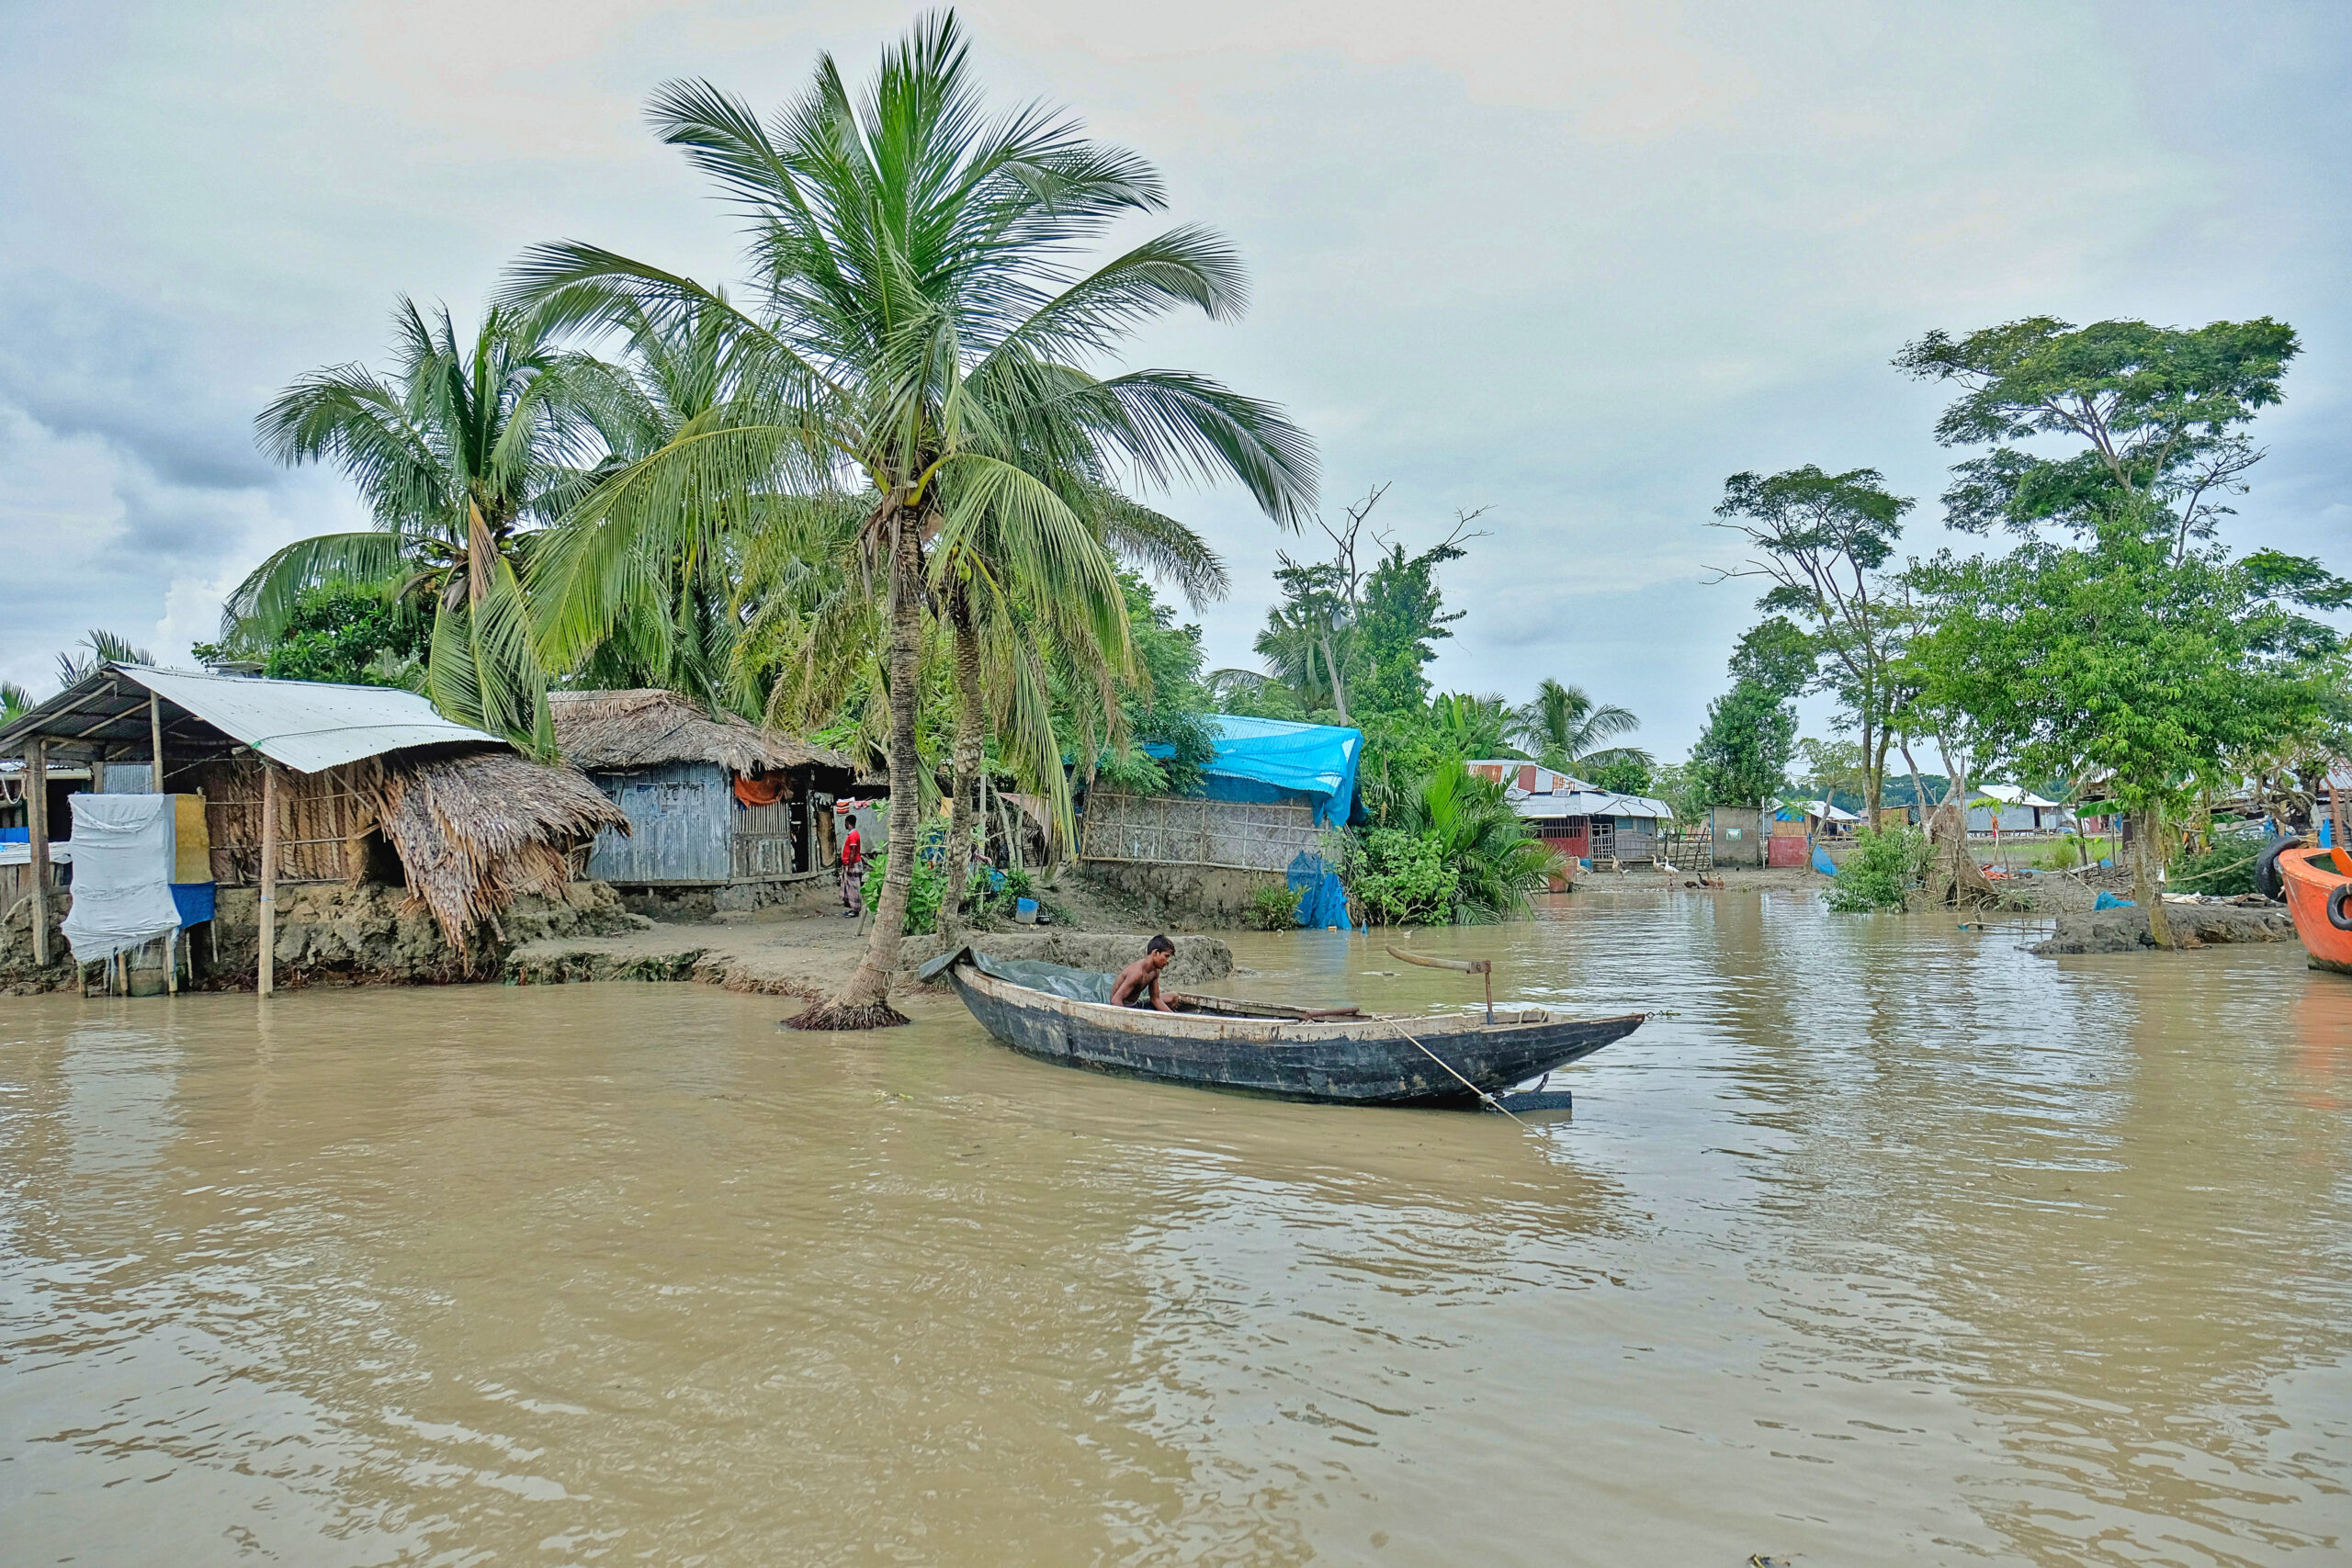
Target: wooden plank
<point>37,814</point>
<point>155,738</point>
<point>268,878</point>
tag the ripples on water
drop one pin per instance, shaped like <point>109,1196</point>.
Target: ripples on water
<point>1895,1244</point>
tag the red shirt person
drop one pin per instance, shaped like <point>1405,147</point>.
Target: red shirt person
<point>853,868</point>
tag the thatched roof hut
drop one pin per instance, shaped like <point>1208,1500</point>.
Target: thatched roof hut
<point>473,832</point>
<point>627,731</point>
<point>367,782</point>
<point>713,800</point>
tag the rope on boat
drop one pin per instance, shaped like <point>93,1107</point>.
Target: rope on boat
<point>1490,1101</point>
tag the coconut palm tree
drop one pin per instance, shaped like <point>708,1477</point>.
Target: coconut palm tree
<point>668,614</point>
<point>1014,611</point>
<point>917,338</point>
<point>1565,728</point>
<point>99,646</point>
<point>1471,726</point>
<point>13,700</point>
<point>461,451</point>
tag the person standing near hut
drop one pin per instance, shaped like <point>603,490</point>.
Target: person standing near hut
<point>852,869</point>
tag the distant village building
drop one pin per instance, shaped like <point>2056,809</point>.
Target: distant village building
<point>1580,821</point>
<point>712,802</point>
<point>2012,808</point>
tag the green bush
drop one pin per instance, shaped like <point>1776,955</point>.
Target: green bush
<point>1399,878</point>
<point>923,899</point>
<point>1885,866</point>
<point>1274,908</point>
<point>2225,871</point>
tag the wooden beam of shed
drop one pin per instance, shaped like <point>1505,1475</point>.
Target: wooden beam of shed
<point>37,814</point>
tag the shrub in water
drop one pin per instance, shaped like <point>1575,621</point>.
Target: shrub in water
<point>1400,878</point>
<point>1274,908</point>
<point>1885,866</point>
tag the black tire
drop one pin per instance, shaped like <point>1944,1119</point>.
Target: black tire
<point>2266,880</point>
<point>2339,907</point>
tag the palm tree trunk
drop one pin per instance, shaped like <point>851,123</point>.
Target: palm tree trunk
<point>864,1001</point>
<point>478,547</point>
<point>971,719</point>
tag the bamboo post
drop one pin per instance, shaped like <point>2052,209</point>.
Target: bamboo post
<point>171,963</point>
<point>268,878</point>
<point>156,737</point>
<point>37,814</point>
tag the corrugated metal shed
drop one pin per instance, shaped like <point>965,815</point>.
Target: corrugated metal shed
<point>307,725</point>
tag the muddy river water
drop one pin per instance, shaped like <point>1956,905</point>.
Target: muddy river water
<point>1892,1245</point>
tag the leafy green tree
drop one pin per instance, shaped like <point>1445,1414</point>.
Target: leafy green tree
<point>1565,728</point>
<point>1344,641</point>
<point>1823,541</point>
<point>14,700</point>
<point>1497,865</point>
<point>1397,878</point>
<point>1885,867</point>
<point>460,452</point>
<point>915,336</point>
<point>353,634</point>
<point>1400,618</point>
<point>2126,663</point>
<point>1742,757</point>
<point>2157,412</point>
<point>1469,727</point>
<point>1626,773</point>
<point>2142,654</point>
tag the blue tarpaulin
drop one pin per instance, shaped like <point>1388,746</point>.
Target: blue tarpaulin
<point>1273,759</point>
<point>1822,863</point>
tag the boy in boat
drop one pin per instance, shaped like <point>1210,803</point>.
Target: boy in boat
<point>1138,983</point>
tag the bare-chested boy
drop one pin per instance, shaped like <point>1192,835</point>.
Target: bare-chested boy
<point>1138,983</point>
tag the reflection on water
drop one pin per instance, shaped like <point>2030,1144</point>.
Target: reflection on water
<point>1892,1245</point>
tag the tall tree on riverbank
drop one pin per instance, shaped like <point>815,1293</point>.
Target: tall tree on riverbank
<point>914,326</point>
<point>1823,541</point>
<point>1742,757</point>
<point>2140,654</point>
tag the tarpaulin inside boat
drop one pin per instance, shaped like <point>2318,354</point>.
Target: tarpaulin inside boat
<point>1054,979</point>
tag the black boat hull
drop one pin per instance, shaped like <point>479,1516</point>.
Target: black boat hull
<point>1361,1061</point>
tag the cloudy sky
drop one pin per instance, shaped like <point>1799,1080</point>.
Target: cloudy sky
<point>1575,262</point>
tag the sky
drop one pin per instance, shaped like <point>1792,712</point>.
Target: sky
<point>1575,264</point>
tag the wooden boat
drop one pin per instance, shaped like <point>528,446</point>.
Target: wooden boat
<point>1340,1055</point>
<point>2318,889</point>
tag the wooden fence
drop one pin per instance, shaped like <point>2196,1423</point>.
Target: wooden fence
<point>1166,831</point>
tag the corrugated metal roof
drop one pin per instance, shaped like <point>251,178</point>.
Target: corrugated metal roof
<point>1586,803</point>
<point>304,725</point>
<point>2010,794</point>
<point>307,725</point>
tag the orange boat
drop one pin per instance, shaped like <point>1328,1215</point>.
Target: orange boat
<point>2318,888</point>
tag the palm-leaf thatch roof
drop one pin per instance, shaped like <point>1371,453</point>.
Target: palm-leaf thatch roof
<point>610,732</point>
<point>473,832</point>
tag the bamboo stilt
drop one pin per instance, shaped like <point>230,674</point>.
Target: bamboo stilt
<point>37,814</point>
<point>268,878</point>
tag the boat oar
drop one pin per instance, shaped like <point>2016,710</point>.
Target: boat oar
<point>1460,965</point>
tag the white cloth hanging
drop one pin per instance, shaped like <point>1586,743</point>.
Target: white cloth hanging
<point>123,847</point>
